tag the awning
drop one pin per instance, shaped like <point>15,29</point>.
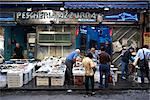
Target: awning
<point>7,23</point>
<point>51,3</point>
<point>113,5</point>
<point>29,4</point>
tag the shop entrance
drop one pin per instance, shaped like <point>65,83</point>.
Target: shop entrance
<point>92,36</point>
<point>13,35</point>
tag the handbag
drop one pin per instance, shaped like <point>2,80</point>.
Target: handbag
<point>94,69</point>
<point>110,80</point>
<point>143,63</point>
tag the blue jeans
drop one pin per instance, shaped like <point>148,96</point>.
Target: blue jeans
<point>124,68</point>
<point>104,70</point>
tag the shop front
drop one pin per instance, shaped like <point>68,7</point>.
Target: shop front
<point>45,31</point>
<point>48,31</point>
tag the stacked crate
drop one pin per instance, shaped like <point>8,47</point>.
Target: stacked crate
<point>57,80</point>
<point>28,73</point>
<point>58,76</point>
<point>14,78</point>
<point>42,81</point>
<point>3,81</point>
<point>78,75</point>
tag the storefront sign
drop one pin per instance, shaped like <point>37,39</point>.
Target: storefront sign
<point>47,16</point>
<point>147,38</point>
<point>122,17</point>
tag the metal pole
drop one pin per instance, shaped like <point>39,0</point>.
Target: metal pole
<point>62,51</point>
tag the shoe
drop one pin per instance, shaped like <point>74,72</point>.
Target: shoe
<point>69,91</point>
<point>93,93</point>
<point>101,86</point>
<point>123,78</point>
<point>86,96</point>
<point>142,84</point>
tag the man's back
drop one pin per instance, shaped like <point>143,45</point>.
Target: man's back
<point>141,55</point>
<point>104,58</point>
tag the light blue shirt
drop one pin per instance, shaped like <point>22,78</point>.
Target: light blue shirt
<point>141,55</point>
<point>72,55</point>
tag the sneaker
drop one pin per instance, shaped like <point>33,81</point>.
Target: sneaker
<point>93,93</point>
<point>86,96</point>
<point>69,91</point>
<point>123,78</point>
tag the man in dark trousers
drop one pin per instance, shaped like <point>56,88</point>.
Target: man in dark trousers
<point>125,61</point>
<point>18,52</point>
<point>70,60</point>
<point>143,55</point>
<point>104,68</point>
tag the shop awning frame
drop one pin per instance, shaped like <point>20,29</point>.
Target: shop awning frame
<point>113,5</point>
<point>51,3</point>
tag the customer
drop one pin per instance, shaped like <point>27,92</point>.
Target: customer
<point>125,61</point>
<point>143,54</point>
<point>104,68</point>
<point>94,53</point>
<point>70,60</point>
<point>89,73</point>
<point>18,52</point>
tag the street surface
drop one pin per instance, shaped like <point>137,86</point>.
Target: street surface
<point>77,95</point>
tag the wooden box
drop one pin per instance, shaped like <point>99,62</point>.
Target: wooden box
<point>42,81</point>
<point>57,81</point>
<point>78,80</point>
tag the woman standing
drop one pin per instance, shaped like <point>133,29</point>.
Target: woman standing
<point>89,73</point>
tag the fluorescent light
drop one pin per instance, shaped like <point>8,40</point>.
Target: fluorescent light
<point>29,9</point>
<point>62,8</point>
<point>106,8</point>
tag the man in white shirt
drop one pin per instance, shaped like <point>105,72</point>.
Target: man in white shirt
<point>144,55</point>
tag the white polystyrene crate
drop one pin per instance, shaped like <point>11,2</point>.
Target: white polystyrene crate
<point>3,81</point>
<point>33,71</point>
<point>97,77</point>
<point>57,81</point>
<point>25,78</point>
<point>30,75</point>
<point>12,84</point>
<point>78,71</point>
<point>14,79</point>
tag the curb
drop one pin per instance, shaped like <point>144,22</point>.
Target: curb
<point>74,89</point>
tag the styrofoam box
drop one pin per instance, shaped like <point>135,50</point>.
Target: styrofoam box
<point>14,79</point>
<point>97,77</point>
<point>3,81</point>
<point>25,78</point>
<point>33,71</point>
<point>78,71</point>
<point>30,75</point>
<point>57,81</point>
<point>42,81</point>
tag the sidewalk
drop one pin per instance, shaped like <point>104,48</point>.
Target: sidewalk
<point>120,85</point>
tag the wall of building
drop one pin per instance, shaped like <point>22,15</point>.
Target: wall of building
<point>44,51</point>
